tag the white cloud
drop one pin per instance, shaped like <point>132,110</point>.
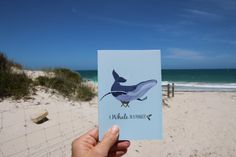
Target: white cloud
<point>202,13</point>
<point>114,20</point>
<point>177,53</point>
<point>226,5</point>
<point>216,38</point>
<point>232,42</point>
<point>122,22</point>
<point>183,58</point>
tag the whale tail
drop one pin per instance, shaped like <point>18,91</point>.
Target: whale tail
<point>117,77</point>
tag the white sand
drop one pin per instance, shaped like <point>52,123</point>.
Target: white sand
<point>35,74</point>
<point>195,125</point>
<point>20,137</point>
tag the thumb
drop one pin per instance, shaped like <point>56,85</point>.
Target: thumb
<point>109,139</point>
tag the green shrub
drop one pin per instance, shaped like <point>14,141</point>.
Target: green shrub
<point>14,85</point>
<point>5,64</point>
<point>42,81</point>
<point>18,85</point>
<point>64,73</point>
<point>68,83</point>
<point>61,83</point>
<point>84,93</point>
<point>66,88</point>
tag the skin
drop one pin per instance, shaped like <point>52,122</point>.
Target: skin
<point>87,145</point>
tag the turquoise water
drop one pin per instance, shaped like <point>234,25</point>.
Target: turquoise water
<point>196,75</point>
<point>191,79</point>
<point>200,75</point>
<point>89,74</point>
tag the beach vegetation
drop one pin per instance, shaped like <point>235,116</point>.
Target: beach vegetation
<point>15,83</point>
<point>64,73</point>
<point>6,64</point>
<point>63,86</point>
<point>12,84</point>
<point>68,83</point>
<point>85,93</point>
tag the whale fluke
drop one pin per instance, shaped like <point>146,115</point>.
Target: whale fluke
<point>117,77</point>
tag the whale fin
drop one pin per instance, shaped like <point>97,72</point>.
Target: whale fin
<point>111,93</point>
<point>142,99</point>
<point>117,77</point>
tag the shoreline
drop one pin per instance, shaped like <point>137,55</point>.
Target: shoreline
<point>191,86</point>
<point>185,75</point>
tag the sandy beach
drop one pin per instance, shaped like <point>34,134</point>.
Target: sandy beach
<point>196,124</point>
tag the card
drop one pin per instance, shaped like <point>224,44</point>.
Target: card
<point>129,93</point>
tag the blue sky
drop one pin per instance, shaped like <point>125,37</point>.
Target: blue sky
<point>56,33</point>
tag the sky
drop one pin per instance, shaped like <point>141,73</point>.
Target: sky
<point>191,34</point>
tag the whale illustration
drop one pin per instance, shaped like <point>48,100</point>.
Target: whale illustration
<point>125,94</point>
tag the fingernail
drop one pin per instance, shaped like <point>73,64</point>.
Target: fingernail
<point>115,129</point>
<point>127,143</point>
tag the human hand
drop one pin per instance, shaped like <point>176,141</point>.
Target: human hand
<point>87,145</point>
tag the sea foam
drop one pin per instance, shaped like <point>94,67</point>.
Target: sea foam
<point>201,86</point>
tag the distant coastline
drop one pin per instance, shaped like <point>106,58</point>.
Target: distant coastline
<point>189,79</point>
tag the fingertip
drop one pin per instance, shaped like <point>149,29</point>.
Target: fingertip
<point>127,143</point>
<point>118,153</point>
<point>114,130</point>
<point>120,145</point>
<point>110,138</point>
<point>94,130</point>
<point>124,143</point>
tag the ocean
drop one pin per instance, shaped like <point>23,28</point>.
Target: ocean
<point>189,79</point>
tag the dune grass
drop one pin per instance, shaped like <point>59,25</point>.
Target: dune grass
<point>68,83</point>
<point>64,73</point>
<point>84,93</point>
<point>18,85</point>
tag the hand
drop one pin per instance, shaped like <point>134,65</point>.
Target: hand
<point>87,145</point>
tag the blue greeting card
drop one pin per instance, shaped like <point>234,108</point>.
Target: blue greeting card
<point>129,93</point>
